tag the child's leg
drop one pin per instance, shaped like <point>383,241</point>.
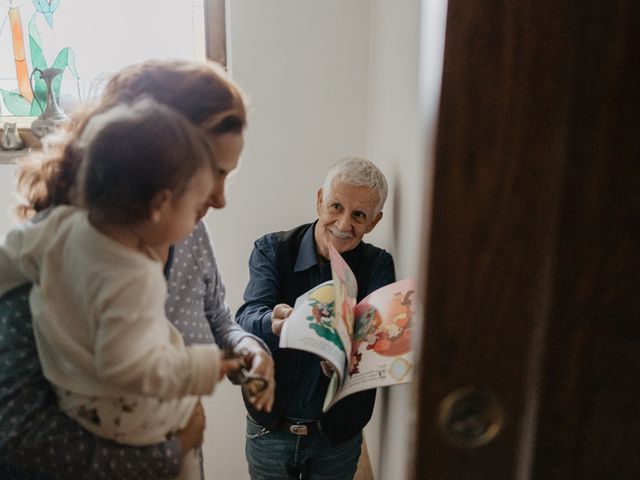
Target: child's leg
<point>190,468</point>
<point>135,420</point>
<point>132,420</point>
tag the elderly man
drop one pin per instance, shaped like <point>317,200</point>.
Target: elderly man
<point>284,265</point>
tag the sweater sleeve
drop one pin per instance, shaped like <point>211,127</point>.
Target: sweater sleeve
<point>23,249</point>
<point>137,348</point>
<point>226,332</point>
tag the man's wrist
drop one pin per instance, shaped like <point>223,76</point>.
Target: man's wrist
<point>270,338</point>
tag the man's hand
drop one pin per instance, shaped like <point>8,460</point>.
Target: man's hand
<point>192,435</point>
<point>261,365</point>
<point>278,317</point>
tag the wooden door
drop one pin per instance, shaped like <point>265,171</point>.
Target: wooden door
<point>532,278</point>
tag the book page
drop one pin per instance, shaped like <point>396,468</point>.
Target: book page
<point>381,353</point>
<point>312,326</point>
<point>346,292</point>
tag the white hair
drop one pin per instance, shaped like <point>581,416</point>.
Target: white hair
<point>357,172</point>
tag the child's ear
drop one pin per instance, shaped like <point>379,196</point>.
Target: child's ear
<point>159,203</point>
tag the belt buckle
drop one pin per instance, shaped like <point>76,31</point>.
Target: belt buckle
<point>299,430</point>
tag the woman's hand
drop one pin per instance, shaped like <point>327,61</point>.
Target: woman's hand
<point>261,365</point>
<point>192,435</point>
<point>229,364</point>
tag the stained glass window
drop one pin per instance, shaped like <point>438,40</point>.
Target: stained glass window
<point>88,40</point>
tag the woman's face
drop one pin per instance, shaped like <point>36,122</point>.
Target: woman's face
<point>227,148</point>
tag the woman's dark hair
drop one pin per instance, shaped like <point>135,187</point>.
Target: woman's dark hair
<point>202,92</point>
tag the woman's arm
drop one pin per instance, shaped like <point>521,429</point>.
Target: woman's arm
<point>194,277</point>
<point>226,331</point>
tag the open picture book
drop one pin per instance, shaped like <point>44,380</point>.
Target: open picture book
<point>368,344</point>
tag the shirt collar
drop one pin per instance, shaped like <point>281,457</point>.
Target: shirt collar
<point>307,257</point>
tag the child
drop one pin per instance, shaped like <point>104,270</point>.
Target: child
<point>117,364</point>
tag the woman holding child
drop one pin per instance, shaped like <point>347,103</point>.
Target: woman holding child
<point>36,437</point>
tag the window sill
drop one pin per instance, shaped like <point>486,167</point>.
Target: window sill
<point>8,157</point>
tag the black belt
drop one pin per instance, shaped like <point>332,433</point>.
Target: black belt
<point>300,428</point>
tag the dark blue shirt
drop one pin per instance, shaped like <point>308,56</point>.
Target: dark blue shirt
<point>264,291</point>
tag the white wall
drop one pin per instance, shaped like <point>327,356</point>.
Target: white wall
<point>326,79</point>
<point>7,199</point>
<point>304,65</point>
<point>407,39</point>
<point>395,134</point>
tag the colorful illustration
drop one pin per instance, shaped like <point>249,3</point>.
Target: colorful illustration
<point>345,285</point>
<point>383,325</point>
<point>322,318</point>
<point>364,332</point>
<point>23,102</point>
<point>392,335</point>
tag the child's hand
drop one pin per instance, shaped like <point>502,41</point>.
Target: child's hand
<point>192,435</point>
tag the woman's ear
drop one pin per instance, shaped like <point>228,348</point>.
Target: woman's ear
<point>159,203</point>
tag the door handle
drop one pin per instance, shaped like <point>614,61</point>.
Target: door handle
<point>469,417</point>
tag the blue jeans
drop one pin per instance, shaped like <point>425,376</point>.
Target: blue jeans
<point>281,455</point>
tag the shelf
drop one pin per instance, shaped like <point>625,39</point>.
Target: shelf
<point>11,156</point>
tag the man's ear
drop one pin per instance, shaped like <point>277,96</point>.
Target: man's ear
<point>159,203</point>
<point>319,201</point>
<point>375,222</point>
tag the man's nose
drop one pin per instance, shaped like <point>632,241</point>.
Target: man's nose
<point>344,222</point>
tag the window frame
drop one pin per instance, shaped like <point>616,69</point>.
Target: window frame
<point>215,30</point>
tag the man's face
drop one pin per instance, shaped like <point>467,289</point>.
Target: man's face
<point>345,215</point>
